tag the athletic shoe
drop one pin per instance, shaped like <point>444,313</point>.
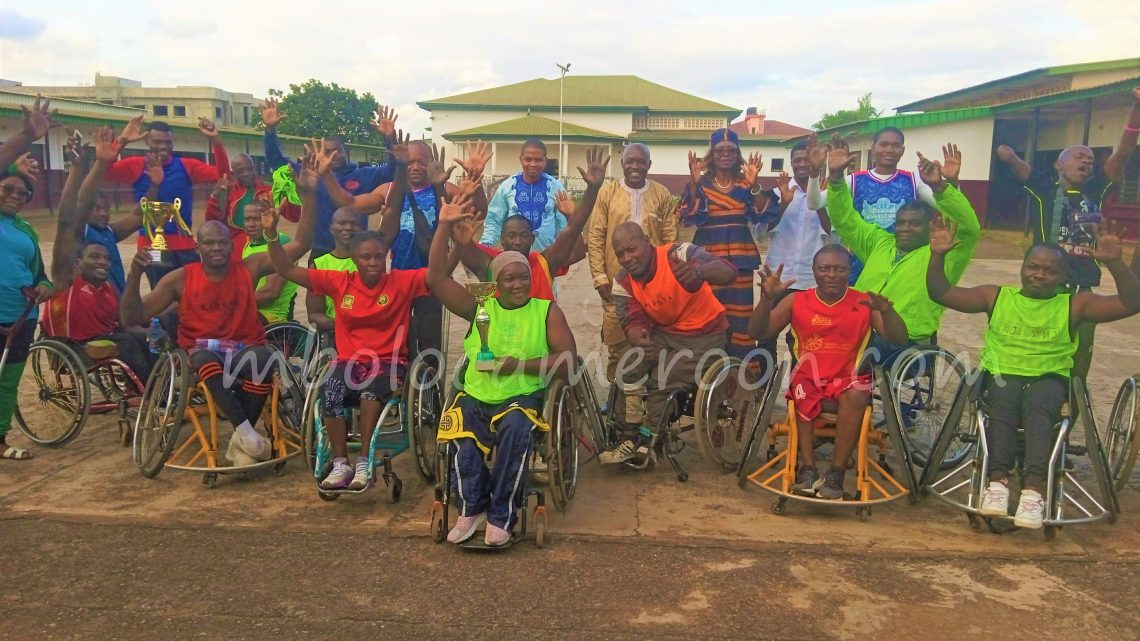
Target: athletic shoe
<point>830,487</point>
<point>247,451</point>
<point>620,454</point>
<point>496,536</point>
<point>465,527</point>
<point>361,476</point>
<point>340,476</point>
<point>1030,510</point>
<point>995,500</point>
<point>806,478</point>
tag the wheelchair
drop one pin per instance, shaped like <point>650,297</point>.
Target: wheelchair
<point>300,347</point>
<point>556,448</point>
<point>880,478</point>
<point>55,396</point>
<point>718,410</point>
<point>963,485</point>
<point>172,397</point>
<point>1119,439</point>
<point>408,420</point>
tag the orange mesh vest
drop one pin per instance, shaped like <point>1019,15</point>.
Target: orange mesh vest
<point>669,304</point>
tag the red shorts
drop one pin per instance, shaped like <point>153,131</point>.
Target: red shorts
<point>808,394</point>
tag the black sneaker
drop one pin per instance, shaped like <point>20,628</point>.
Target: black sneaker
<point>832,486</point>
<point>806,478</point>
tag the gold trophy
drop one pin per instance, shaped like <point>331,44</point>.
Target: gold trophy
<point>155,216</point>
<point>481,291</point>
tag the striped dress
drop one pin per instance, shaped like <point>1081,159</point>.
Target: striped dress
<point>723,223</point>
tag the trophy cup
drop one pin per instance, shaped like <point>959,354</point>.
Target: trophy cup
<point>481,291</point>
<point>155,216</point>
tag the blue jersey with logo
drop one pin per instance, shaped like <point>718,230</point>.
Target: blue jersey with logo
<point>877,200</point>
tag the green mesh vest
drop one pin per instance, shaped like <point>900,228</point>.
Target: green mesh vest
<point>1028,336</point>
<point>331,263</point>
<point>520,333</point>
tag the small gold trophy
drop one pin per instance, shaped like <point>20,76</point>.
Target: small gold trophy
<point>481,291</point>
<point>155,216</point>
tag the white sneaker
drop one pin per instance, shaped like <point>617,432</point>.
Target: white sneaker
<point>1030,510</point>
<point>995,500</point>
<point>246,451</point>
<point>465,527</point>
<point>620,454</point>
<point>361,476</point>
<point>340,476</point>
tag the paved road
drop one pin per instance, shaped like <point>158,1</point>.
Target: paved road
<point>83,581</point>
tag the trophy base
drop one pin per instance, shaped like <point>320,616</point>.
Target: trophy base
<point>485,363</point>
<point>158,258</point>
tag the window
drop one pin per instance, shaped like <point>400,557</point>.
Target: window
<point>180,111</point>
<point>245,115</point>
<point>704,123</point>
<point>105,101</point>
<point>161,110</point>
<point>777,164</point>
<point>217,113</point>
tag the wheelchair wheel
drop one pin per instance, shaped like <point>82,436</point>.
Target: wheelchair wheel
<point>923,383</point>
<point>762,423</point>
<point>422,412</point>
<point>728,399</point>
<point>561,454</point>
<point>1119,439</point>
<point>589,419</point>
<point>311,414</point>
<point>54,394</point>
<point>161,412</point>
<point>297,343</point>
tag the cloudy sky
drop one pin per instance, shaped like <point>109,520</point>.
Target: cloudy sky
<point>794,62</point>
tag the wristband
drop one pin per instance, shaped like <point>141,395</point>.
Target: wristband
<point>756,191</point>
<point>275,239</point>
<point>1132,130</point>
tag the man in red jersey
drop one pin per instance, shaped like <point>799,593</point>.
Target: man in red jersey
<point>218,321</point>
<point>831,325</point>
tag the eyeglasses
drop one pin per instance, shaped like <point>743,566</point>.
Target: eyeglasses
<point>22,193</point>
<point>728,151</point>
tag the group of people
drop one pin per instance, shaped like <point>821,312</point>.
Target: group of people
<point>849,255</point>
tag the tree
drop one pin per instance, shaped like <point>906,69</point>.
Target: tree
<point>316,109</point>
<point>865,111</point>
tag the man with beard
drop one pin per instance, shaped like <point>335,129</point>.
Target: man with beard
<point>237,191</point>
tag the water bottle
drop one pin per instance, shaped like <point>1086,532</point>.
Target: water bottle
<point>218,345</point>
<point>155,337</point>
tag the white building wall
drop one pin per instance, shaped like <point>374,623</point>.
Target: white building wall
<point>1104,129</point>
<point>973,137</point>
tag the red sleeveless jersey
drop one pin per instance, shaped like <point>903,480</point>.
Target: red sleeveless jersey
<point>82,311</point>
<point>223,309</point>
<point>829,339</point>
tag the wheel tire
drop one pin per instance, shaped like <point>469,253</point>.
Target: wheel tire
<point>395,489</point>
<point>540,533</point>
<point>328,496</point>
<point>977,523</point>
<point>912,402</point>
<point>1121,442</point>
<point>780,507</point>
<point>422,409</point>
<point>718,445</point>
<point>210,479</point>
<point>761,425</point>
<point>438,528</point>
<point>1050,532</point>
<point>161,412</point>
<point>561,446</point>
<point>54,394</point>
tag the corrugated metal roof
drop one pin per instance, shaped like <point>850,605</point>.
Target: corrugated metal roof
<point>695,136</point>
<point>530,126</point>
<point>609,93</point>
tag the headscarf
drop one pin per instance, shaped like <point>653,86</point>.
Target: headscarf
<point>507,258</point>
<point>722,135</point>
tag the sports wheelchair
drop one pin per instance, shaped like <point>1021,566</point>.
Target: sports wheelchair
<point>880,478</point>
<point>963,485</point>
<point>554,459</point>
<point>1120,441</point>
<point>718,410</point>
<point>923,380</point>
<point>408,419</point>
<point>173,396</point>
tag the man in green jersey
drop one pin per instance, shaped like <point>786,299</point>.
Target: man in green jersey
<point>895,263</point>
<point>274,294</point>
<point>1030,343</point>
<point>321,310</point>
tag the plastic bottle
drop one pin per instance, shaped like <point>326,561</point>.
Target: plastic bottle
<point>218,345</point>
<point>155,336</point>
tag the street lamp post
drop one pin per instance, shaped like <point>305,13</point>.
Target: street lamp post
<point>564,69</point>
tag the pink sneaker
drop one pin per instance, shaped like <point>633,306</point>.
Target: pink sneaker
<point>465,527</point>
<point>496,536</point>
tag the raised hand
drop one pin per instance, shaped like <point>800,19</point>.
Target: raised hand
<point>27,166</point>
<point>133,132</point>
<point>1006,153</point>
<point>696,167</point>
<point>772,284</point>
<point>320,158</point>
<point>752,169</point>
<point>931,173</point>
<point>269,219</point>
<point>839,156</point>
<point>307,177</point>
<point>1108,242</point>
<point>877,302</point>
<point>564,203</point>
<point>436,174</point>
<point>784,184</point>
<point>208,128</point>
<point>271,114</point>
<point>942,236</point>
<point>37,120</point>
<point>456,209</point>
<point>478,155</point>
<point>817,154</point>
<point>951,162</point>
<point>597,160</point>
<point>385,123</point>
<point>107,148</point>
<point>154,170</point>
<point>398,148</point>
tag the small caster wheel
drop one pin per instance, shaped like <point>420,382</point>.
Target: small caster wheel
<point>977,523</point>
<point>682,476</point>
<point>1111,518</point>
<point>540,533</point>
<point>1051,532</point>
<point>279,468</point>
<point>863,513</point>
<point>771,454</point>
<point>328,496</point>
<point>780,507</point>
<point>395,489</point>
<point>438,527</point>
<point>210,479</point>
